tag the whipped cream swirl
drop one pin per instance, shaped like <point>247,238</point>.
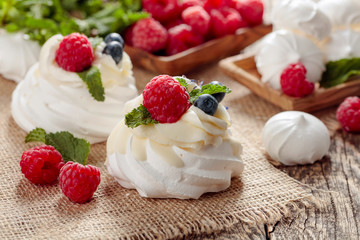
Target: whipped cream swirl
<point>17,55</point>
<point>58,100</point>
<point>343,44</point>
<point>178,160</point>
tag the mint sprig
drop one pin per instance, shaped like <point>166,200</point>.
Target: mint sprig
<point>182,81</point>
<point>139,116</point>
<point>71,148</point>
<point>340,71</point>
<point>207,89</point>
<point>92,78</point>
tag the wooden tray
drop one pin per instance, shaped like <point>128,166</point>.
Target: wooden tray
<point>205,53</point>
<point>243,69</point>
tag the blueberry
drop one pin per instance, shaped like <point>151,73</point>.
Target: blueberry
<point>111,37</point>
<point>115,50</point>
<point>219,96</point>
<point>207,103</point>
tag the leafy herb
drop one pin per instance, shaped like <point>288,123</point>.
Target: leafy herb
<point>182,81</point>
<point>92,78</point>
<point>340,71</point>
<point>71,148</point>
<point>139,116</point>
<point>95,41</point>
<point>207,89</point>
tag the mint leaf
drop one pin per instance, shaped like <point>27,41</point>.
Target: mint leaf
<point>139,116</point>
<point>340,71</point>
<point>36,135</point>
<point>207,89</point>
<point>71,148</point>
<point>95,41</point>
<point>92,78</point>
<point>182,81</point>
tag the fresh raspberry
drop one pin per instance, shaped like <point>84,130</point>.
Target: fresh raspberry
<point>147,34</point>
<point>165,99</point>
<point>251,11</point>
<point>293,81</point>
<point>75,53</point>
<point>173,23</point>
<point>190,3</point>
<point>213,4</point>
<point>348,114</point>
<point>197,18</point>
<point>225,21</point>
<point>79,182</point>
<point>181,38</point>
<point>42,164</point>
<point>162,10</point>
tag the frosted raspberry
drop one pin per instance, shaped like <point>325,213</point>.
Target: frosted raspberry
<point>173,23</point>
<point>190,3</point>
<point>348,114</point>
<point>165,99</point>
<point>147,34</point>
<point>162,10</point>
<point>181,38</point>
<point>293,81</point>
<point>79,182</point>
<point>213,4</point>
<point>42,164</point>
<point>251,11</point>
<point>225,21</point>
<point>75,53</point>
<point>197,18</point>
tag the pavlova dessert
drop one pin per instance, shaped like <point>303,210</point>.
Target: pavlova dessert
<point>77,85</point>
<point>174,141</point>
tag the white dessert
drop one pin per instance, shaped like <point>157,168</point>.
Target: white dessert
<point>58,100</point>
<point>342,44</point>
<point>181,160</point>
<point>301,16</point>
<point>17,55</point>
<point>281,48</point>
<point>342,13</point>
<point>294,137</point>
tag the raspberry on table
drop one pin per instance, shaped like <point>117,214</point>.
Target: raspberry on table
<point>181,38</point>
<point>213,4</point>
<point>162,10</point>
<point>41,164</point>
<point>79,182</point>
<point>190,3</point>
<point>165,99</point>
<point>197,18</point>
<point>75,53</point>
<point>293,81</point>
<point>225,21</point>
<point>147,34</point>
<point>348,114</point>
<point>251,11</point>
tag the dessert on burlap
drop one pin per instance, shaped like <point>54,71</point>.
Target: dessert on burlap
<point>261,195</point>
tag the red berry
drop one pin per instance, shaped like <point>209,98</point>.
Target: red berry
<point>165,99</point>
<point>190,3</point>
<point>181,38</point>
<point>79,182</point>
<point>42,164</point>
<point>147,34</point>
<point>162,10</point>
<point>173,23</point>
<point>251,11</point>
<point>75,53</point>
<point>293,81</point>
<point>225,21</point>
<point>197,18</point>
<point>213,4</point>
<point>348,114</point>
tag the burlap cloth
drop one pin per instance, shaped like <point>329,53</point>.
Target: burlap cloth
<point>263,194</point>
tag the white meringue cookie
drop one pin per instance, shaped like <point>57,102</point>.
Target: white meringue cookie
<point>343,44</point>
<point>181,160</point>
<point>281,48</point>
<point>294,137</point>
<point>58,100</point>
<point>17,55</point>
<point>341,12</point>
<point>301,16</point>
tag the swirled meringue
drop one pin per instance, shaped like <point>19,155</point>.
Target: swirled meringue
<point>281,48</point>
<point>294,137</point>
<point>178,160</point>
<point>17,55</point>
<point>342,44</point>
<point>58,100</point>
<point>301,16</point>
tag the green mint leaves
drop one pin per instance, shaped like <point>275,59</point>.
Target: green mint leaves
<point>92,78</point>
<point>138,116</point>
<point>71,148</point>
<point>95,41</point>
<point>182,81</point>
<point>207,89</point>
<point>340,71</point>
